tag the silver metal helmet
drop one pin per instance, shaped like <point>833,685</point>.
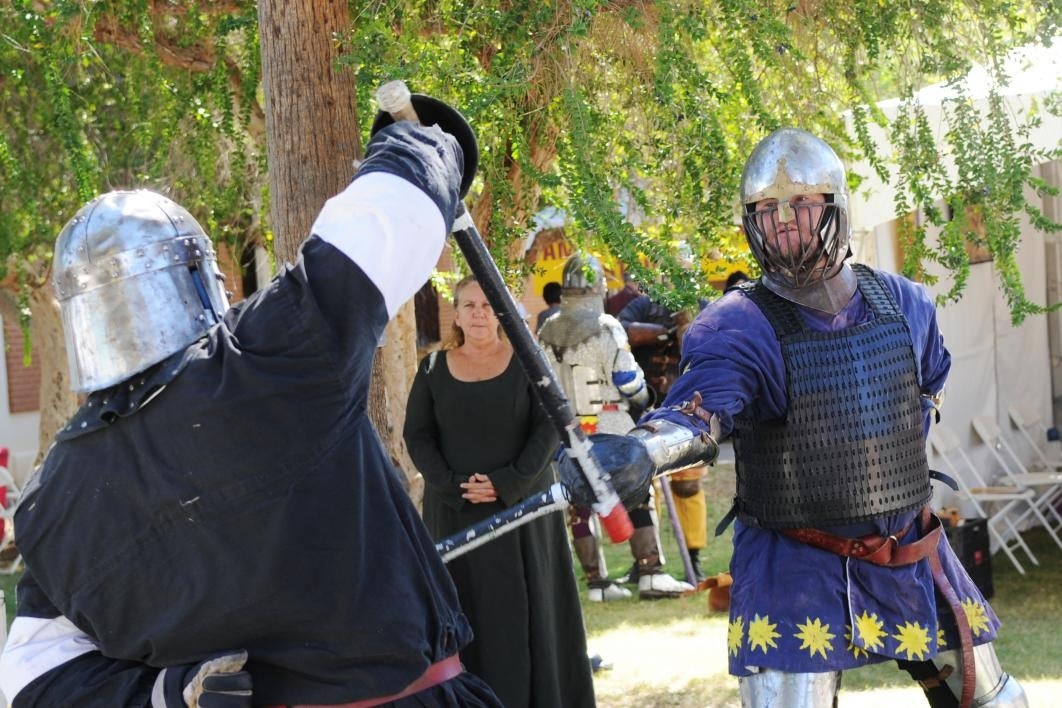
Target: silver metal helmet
<point>785,166</point>
<point>583,274</point>
<point>137,281</point>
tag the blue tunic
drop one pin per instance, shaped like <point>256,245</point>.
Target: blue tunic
<point>793,606</point>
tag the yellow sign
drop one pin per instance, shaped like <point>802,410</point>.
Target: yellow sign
<point>552,250</point>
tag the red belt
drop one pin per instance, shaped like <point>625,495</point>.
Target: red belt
<point>437,673</point>
<point>886,550</point>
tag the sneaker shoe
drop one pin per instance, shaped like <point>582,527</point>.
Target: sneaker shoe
<point>607,593</point>
<point>660,585</point>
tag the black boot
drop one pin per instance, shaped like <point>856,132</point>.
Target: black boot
<point>586,550</point>
<point>631,576</point>
<point>695,562</point>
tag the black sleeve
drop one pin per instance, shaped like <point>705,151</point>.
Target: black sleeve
<point>514,481</point>
<point>637,310</point>
<point>422,435</point>
<point>424,156</point>
<point>90,679</point>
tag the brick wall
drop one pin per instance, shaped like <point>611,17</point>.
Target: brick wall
<point>229,263</point>
<point>23,382</point>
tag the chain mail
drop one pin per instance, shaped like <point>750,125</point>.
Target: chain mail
<point>588,369</point>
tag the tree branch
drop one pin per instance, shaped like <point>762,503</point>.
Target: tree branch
<point>198,57</point>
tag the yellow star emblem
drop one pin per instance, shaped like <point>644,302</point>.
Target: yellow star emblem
<point>857,652</point>
<point>815,636</point>
<point>913,639</point>
<point>762,634</point>
<point>734,635</point>
<point>941,641</point>
<point>871,631</point>
<point>975,615</point>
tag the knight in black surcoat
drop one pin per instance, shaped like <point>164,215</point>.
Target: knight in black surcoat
<point>214,525</point>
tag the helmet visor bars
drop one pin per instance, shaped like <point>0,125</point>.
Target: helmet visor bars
<point>209,306</point>
<point>797,245</point>
<point>187,251</point>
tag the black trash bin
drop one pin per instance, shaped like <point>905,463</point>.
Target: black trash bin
<point>971,544</point>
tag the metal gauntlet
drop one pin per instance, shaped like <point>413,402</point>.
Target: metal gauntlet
<point>674,447</point>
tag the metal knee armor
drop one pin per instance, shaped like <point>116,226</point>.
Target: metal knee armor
<point>992,686</point>
<point>778,689</point>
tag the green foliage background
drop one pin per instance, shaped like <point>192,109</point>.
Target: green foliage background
<point>584,105</point>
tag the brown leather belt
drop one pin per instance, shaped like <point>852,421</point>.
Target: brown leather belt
<point>437,673</point>
<point>888,551</point>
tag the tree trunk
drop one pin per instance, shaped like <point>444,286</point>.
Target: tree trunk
<point>392,377</point>
<point>58,402</point>
<point>311,122</point>
<point>312,139</point>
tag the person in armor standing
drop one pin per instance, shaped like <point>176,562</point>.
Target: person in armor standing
<point>588,351</point>
<point>826,375</point>
<point>653,333</point>
<point>656,337</point>
<point>214,525</point>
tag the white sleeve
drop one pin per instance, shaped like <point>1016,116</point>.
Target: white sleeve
<point>391,229</point>
<point>34,647</point>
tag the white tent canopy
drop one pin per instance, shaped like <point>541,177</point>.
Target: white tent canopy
<point>994,364</point>
<point>1034,73</point>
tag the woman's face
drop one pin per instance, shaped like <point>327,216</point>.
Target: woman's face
<point>474,315</point>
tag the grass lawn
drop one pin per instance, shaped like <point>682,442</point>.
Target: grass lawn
<point>673,652</point>
<point>7,584</point>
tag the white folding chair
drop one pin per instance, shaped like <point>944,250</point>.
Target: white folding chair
<point>1047,485</point>
<point>946,444</point>
<point>1033,430</point>
<point>8,548</point>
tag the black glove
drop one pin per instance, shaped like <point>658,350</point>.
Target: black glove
<point>624,458</point>
<point>216,682</point>
<point>426,157</point>
<point>432,111</point>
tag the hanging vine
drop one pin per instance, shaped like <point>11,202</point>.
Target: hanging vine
<point>579,104</point>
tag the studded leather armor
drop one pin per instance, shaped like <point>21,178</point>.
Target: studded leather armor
<point>851,446</point>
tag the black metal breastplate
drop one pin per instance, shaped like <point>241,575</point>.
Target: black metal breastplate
<point>851,446</point>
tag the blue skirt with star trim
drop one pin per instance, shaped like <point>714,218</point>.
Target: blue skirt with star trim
<point>800,609</point>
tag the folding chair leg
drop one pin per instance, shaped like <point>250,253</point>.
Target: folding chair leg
<point>1019,541</point>
<point>1003,515</point>
<point>1046,525</point>
<point>992,532</point>
<point>1049,503</point>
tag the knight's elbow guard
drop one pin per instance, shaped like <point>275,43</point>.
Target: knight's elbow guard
<point>674,447</point>
<point>631,385</point>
